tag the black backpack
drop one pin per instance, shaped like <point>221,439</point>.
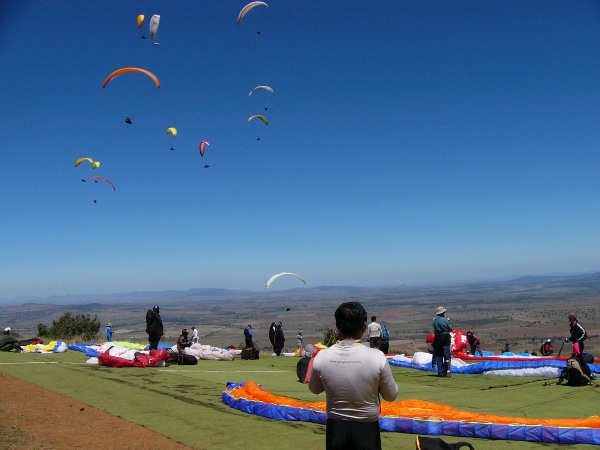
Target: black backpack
<point>186,360</point>
<point>249,353</point>
<point>433,443</point>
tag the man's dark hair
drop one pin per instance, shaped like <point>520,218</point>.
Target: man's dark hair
<point>373,318</point>
<point>350,318</point>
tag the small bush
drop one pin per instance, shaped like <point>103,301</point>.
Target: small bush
<point>68,326</point>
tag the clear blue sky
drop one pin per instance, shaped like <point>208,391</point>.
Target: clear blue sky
<point>408,142</point>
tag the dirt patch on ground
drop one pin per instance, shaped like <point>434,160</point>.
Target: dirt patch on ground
<point>35,418</point>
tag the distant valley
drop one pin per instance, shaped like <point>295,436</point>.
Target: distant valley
<point>522,311</point>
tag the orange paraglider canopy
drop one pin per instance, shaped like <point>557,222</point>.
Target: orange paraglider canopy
<point>123,70</point>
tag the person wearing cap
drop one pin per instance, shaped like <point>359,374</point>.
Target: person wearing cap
<point>353,377</point>
<point>182,341</point>
<point>8,343</point>
<point>441,342</point>
<point>248,336</point>
<point>154,327</point>
<point>109,332</point>
<point>547,348</point>
<point>578,334</point>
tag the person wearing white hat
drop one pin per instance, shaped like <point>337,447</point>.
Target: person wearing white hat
<point>8,343</point>
<point>441,342</point>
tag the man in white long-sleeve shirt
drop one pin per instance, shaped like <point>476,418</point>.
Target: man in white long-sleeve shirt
<point>352,376</point>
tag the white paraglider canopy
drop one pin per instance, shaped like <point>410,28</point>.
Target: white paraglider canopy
<point>280,274</point>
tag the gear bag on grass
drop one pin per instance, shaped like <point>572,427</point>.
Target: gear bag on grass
<point>249,353</point>
<point>431,443</point>
<point>186,360</point>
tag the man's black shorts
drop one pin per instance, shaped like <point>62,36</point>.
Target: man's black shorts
<point>348,435</point>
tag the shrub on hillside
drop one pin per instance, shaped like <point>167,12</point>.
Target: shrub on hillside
<point>68,326</point>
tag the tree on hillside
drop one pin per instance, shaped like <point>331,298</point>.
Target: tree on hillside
<point>68,327</point>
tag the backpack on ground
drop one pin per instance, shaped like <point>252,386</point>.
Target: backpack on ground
<point>186,360</point>
<point>249,353</point>
<point>432,443</point>
<point>577,372</point>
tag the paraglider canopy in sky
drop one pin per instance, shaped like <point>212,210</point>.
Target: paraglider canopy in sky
<point>172,130</point>
<point>247,8</point>
<point>95,164</point>
<point>280,274</point>
<point>266,88</point>
<point>258,116</point>
<point>154,22</point>
<point>124,70</point>
<point>202,147</point>
<point>140,20</point>
<point>96,178</point>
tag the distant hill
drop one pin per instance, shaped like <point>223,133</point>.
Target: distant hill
<point>589,281</point>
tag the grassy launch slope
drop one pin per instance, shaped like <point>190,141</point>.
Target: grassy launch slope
<point>184,402</point>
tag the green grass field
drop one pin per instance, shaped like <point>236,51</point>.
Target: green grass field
<point>184,402</point>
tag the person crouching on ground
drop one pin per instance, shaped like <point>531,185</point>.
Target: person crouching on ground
<point>474,343</point>
<point>352,376</point>
<point>441,342</point>
<point>182,340</point>
<point>8,343</point>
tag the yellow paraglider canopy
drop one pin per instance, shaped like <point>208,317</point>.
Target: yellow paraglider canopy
<point>95,164</point>
<point>140,20</point>
<point>172,130</point>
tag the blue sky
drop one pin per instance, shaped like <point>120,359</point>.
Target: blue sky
<point>408,142</point>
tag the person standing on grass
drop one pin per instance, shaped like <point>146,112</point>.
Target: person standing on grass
<point>374,330</point>
<point>109,332</point>
<point>194,335</point>
<point>353,376</point>
<point>154,327</point>
<point>441,342</point>
<point>578,334</point>
<point>248,337</point>
<point>279,339</point>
